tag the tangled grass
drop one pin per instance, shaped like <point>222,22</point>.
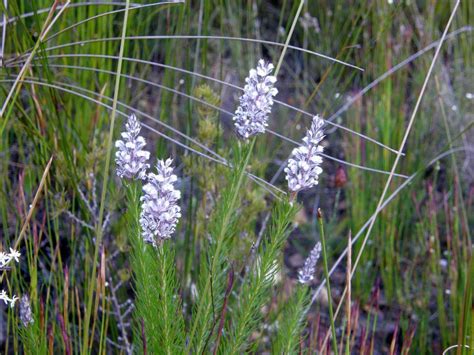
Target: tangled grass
<point>386,197</point>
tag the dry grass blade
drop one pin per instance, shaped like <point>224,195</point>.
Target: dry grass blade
<point>142,6</point>
<point>381,202</point>
<point>59,7</point>
<point>99,230</point>
<point>4,32</point>
<point>33,204</point>
<point>32,209</point>
<point>288,38</point>
<point>389,199</point>
<point>395,68</point>
<point>407,132</point>
<point>46,28</point>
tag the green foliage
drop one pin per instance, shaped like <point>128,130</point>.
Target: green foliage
<point>214,264</point>
<point>159,323</point>
<point>291,322</point>
<point>32,339</point>
<point>209,132</point>
<point>256,288</point>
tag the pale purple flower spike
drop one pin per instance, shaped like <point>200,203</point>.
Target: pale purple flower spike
<point>26,317</point>
<point>160,211</point>
<point>304,164</point>
<point>306,273</point>
<point>256,102</point>
<point>130,157</point>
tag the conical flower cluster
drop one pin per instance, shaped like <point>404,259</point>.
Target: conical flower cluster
<point>26,317</point>
<point>160,211</point>
<point>256,102</point>
<point>304,165</point>
<point>306,273</point>
<point>130,157</point>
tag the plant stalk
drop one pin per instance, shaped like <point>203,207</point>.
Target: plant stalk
<point>328,284</point>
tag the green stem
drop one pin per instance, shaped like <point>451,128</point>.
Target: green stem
<point>162,255</point>
<point>288,38</point>
<point>256,288</point>
<point>220,241</point>
<point>99,231</point>
<point>326,275</point>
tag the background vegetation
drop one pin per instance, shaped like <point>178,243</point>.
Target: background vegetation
<point>412,289</point>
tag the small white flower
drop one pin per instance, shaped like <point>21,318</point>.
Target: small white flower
<point>304,164</point>
<point>5,258</point>
<point>7,300</point>
<point>13,300</point>
<point>160,211</point>
<point>256,103</point>
<point>306,273</point>
<point>131,159</point>
<point>15,255</point>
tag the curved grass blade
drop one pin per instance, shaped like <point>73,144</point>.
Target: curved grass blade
<point>59,86</point>
<point>184,71</point>
<point>228,113</point>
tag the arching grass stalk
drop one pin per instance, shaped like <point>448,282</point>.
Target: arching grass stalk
<point>193,98</point>
<point>99,231</point>
<point>219,160</point>
<point>326,275</point>
<point>194,74</point>
<point>16,87</point>
<point>370,223</point>
<point>288,38</point>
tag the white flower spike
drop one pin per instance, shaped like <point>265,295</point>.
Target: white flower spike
<point>304,164</point>
<point>306,273</point>
<point>130,157</point>
<point>256,103</point>
<point>160,212</point>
